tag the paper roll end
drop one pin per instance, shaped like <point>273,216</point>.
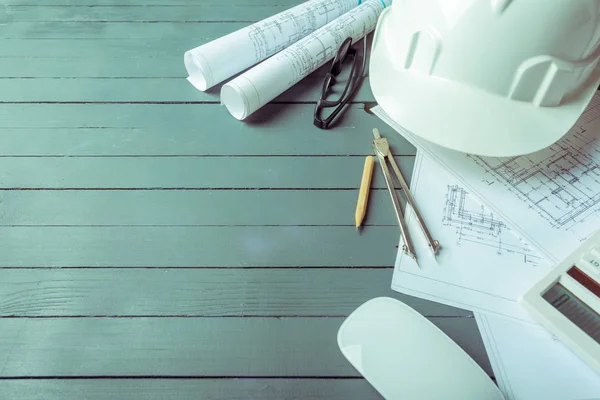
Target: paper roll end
<point>233,99</point>
<point>196,77</point>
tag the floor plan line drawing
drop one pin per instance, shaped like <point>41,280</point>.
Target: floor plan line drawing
<point>257,86</point>
<point>222,58</point>
<point>474,224</point>
<point>559,183</point>
<point>304,23</point>
<point>592,112</point>
<point>550,198</point>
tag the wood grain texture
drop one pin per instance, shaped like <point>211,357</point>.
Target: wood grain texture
<point>193,12</point>
<point>210,347</point>
<point>226,246</point>
<point>190,389</point>
<point>152,52</point>
<point>148,52</point>
<point>189,208</point>
<point>188,172</point>
<point>201,32</point>
<point>149,129</point>
<point>187,142</point>
<point>201,293</point>
<point>94,66</point>
<point>147,90</point>
<point>241,291</point>
<point>147,3</point>
<point>93,79</point>
<point>291,119</point>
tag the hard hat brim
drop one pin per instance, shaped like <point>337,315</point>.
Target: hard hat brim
<point>468,120</point>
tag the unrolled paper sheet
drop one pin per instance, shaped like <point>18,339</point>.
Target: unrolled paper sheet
<point>550,197</point>
<point>220,59</point>
<point>531,364</point>
<point>256,87</point>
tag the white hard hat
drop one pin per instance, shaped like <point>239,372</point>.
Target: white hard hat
<point>487,77</point>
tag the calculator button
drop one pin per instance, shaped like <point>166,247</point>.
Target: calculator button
<point>592,259</point>
<point>595,253</point>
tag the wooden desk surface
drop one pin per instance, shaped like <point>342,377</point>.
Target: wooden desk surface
<point>152,246</point>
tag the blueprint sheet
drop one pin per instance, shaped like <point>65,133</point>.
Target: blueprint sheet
<point>256,87</point>
<point>482,265</point>
<point>531,364</point>
<point>220,59</point>
<point>552,197</point>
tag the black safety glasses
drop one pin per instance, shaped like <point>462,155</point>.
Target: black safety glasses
<point>339,101</point>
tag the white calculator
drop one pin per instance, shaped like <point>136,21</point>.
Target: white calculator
<point>567,301</point>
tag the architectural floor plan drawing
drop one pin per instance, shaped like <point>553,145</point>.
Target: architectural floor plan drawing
<point>560,183</point>
<point>474,224</point>
<point>262,83</point>
<point>551,197</point>
<point>220,59</point>
<point>483,265</point>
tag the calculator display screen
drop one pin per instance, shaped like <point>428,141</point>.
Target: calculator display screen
<point>574,309</point>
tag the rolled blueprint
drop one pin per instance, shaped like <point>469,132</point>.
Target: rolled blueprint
<point>256,87</point>
<point>220,59</point>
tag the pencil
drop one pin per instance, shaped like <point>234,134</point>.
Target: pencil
<point>363,194</point>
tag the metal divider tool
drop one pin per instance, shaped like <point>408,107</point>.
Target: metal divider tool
<point>382,150</point>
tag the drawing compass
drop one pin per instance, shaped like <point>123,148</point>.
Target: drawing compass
<point>382,150</point>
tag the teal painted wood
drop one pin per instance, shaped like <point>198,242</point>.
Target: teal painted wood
<point>154,52</point>
<point>99,52</point>
<point>199,292</point>
<point>149,129</point>
<point>210,347</point>
<point>189,172</point>
<point>200,208</point>
<point>148,3</point>
<point>291,119</point>
<point>146,90</point>
<point>246,308</point>
<point>224,246</point>
<point>92,67</point>
<point>193,12</point>
<point>190,389</point>
<point>246,140</point>
<point>117,89</point>
<point>201,32</point>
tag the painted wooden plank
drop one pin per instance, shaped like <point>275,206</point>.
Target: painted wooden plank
<point>93,67</point>
<point>199,292</point>
<point>212,347</point>
<point>266,123</point>
<point>237,11</point>
<point>44,39</point>
<point>245,140</point>
<point>153,54</point>
<point>188,172</point>
<point>149,90</point>
<point>190,389</point>
<point>197,33</point>
<point>288,246</point>
<point>201,31</point>
<point>146,3</point>
<point>139,61</point>
<point>149,51</point>
<point>151,129</point>
<point>200,208</point>
<point>166,49</point>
